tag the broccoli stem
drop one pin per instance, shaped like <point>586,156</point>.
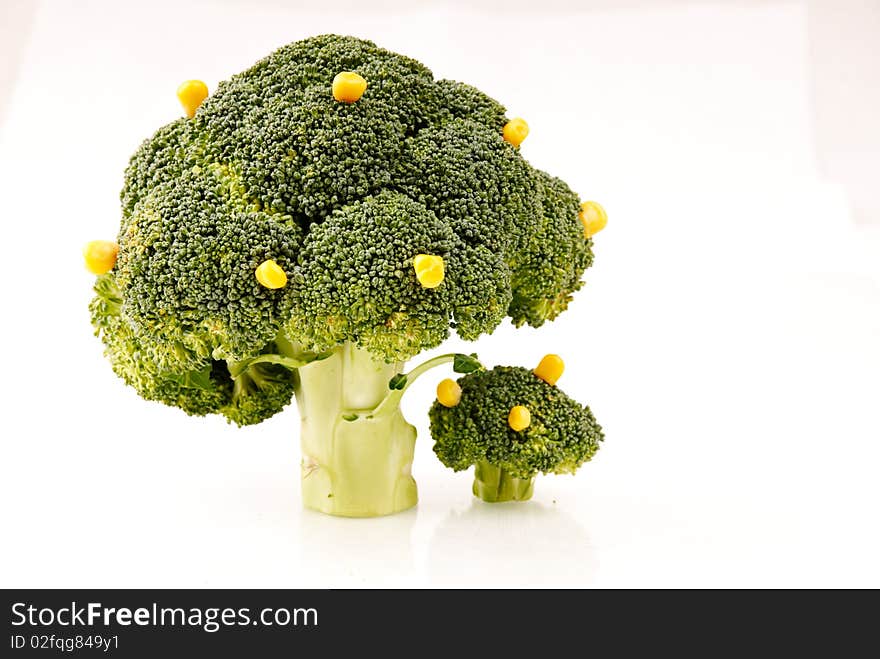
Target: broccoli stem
<point>494,484</point>
<point>392,399</point>
<point>357,448</point>
<point>356,453</point>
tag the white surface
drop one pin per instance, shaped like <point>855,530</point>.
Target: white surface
<point>845,58</point>
<point>727,338</point>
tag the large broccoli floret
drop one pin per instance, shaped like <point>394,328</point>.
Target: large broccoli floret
<point>245,393</point>
<point>195,390</point>
<point>335,199</point>
<point>355,281</point>
<point>171,152</point>
<point>550,256</point>
<point>186,269</point>
<point>559,436</point>
<point>464,171</point>
<point>300,151</point>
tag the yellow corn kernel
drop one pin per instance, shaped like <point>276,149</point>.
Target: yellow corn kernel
<point>430,270</point>
<point>519,418</point>
<point>593,217</point>
<point>191,94</point>
<point>100,256</point>
<point>348,87</point>
<point>550,368</point>
<point>448,393</point>
<point>270,275</point>
<point>515,131</point>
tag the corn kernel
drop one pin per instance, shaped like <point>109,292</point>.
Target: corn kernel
<point>270,275</point>
<point>100,256</point>
<point>515,131</point>
<point>348,87</point>
<point>430,270</point>
<point>550,368</point>
<point>593,217</point>
<point>519,418</point>
<point>448,393</point>
<point>191,94</point>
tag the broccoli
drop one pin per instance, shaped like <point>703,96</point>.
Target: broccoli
<point>511,424</point>
<point>317,221</point>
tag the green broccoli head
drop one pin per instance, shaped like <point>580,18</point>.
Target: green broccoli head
<point>560,435</point>
<point>342,196</point>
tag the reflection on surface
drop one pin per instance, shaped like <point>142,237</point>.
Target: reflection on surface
<point>513,544</point>
<point>346,552</point>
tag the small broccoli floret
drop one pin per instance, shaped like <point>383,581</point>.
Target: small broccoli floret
<point>257,392</point>
<point>480,290</point>
<point>559,435</point>
<point>550,256</point>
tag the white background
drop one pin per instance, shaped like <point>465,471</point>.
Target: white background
<point>728,336</point>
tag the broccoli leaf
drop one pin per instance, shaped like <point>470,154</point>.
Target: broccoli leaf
<point>397,382</point>
<point>193,379</point>
<point>466,363</point>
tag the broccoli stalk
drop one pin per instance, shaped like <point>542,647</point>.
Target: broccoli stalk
<point>495,484</point>
<point>354,463</point>
<point>357,448</point>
